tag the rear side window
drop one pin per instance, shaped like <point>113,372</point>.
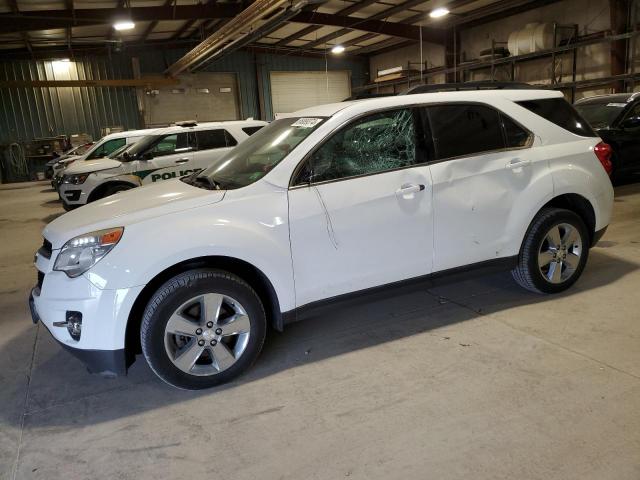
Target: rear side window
<point>209,139</point>
<point>251,130</point>
<point>560,112</point>
<point>461,130</point>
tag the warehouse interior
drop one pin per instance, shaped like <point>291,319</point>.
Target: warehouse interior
<point>468,378</point>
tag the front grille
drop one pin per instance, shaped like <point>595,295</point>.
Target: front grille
<point>45,249</point>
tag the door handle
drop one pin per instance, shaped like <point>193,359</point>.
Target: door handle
<point>182,160</point>
<point>517,163</point>
<point>409,188</point>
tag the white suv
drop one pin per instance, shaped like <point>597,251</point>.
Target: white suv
<point>102,148</point>
<point>332,201</point>
<point>162,154</point>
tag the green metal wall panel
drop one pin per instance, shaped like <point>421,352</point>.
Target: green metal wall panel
<point>27,113</point>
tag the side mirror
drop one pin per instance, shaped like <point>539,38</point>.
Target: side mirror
<point>631,123</point>
<point>147,156</point>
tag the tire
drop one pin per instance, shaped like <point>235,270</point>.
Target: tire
<point>226,349</point>
<point>68,208</point>
<point>566,260</point>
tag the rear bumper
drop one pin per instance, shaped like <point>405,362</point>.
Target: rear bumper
<point>105,362</point>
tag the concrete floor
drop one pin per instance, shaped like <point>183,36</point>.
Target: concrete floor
<point>478,380</point>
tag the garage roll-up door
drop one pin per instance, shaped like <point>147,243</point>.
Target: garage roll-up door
<point>291,91</point>
<point>203,96</point>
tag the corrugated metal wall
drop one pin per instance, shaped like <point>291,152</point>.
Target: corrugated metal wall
<point>27,113</point>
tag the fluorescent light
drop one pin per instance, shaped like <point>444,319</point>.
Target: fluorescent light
<point>439,12</point>
<point>125,25</point>
<point>337,49</point>
<point>61,64</point>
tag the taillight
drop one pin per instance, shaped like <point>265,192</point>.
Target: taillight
<point>603,151</point>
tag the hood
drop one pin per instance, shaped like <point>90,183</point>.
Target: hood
<point>89,166</point>
<point>62,159</point>
<point>129,207</point>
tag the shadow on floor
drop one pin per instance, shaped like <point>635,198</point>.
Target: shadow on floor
<point>59,379</point>
<point>52,217</point>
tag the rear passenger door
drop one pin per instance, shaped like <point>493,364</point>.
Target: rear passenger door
<point>211,146</point>
<point>483,165</point>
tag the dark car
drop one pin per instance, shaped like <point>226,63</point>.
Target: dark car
<point>616,119</point>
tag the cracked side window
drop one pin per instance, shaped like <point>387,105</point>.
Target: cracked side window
<point>374,144</point>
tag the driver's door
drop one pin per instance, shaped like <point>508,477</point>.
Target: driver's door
<point>366,218</point>
<point>170,157</point>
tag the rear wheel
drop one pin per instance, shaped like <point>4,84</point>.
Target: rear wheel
<point>202,328</point>
<point>554,252</point>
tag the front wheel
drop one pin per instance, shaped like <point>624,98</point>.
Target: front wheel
<point>202,328</point>
<point>554,252</point>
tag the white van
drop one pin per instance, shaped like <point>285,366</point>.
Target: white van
<point>164,154</point>
<point>102,148</point>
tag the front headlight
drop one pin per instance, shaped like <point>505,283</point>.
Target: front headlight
<point>75,179</point>
<point>81,253</point>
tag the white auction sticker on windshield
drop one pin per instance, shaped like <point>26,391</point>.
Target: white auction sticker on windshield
<point>306,122</point>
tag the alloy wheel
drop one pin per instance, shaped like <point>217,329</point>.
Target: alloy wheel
<point>559,253</point>
<point>207,334</point>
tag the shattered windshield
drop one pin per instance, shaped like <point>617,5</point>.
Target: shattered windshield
<point>256,156</point>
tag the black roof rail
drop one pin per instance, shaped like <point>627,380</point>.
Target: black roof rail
<point>455,87</point>
<point>365,95</point>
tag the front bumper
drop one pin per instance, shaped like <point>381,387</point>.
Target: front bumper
<point>598,235</point>
<point>104,362</point>
<point>105,314</point>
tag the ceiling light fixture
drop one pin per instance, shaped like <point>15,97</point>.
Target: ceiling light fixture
<point>337,49</point>
<point>61,65</point>
<point>124,25</point>
<point>439,12</point>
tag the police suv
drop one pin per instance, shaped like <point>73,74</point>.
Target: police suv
<point>163,154</point>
